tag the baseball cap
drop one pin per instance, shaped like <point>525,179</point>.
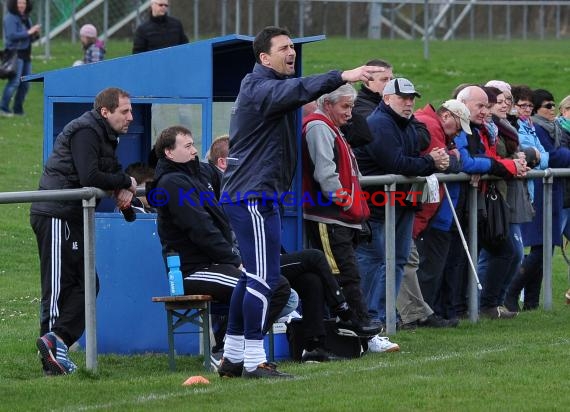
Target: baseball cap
<point>401,87</point>
<point>460,110</point>
<point>88,30</point>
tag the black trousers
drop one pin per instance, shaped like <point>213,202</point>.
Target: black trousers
<point>338,244</point>
<point>60,246</point>
<point>310,276</point>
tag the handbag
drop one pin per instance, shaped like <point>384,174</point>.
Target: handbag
<point>494,219</point>
<point>8,64</point>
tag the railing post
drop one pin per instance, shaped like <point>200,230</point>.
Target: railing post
<point>90,283</point>
<point>473,291</point>
<point>547,239</point>
<point>390,234</point>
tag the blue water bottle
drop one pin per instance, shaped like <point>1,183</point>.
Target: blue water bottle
<point>174,275</point>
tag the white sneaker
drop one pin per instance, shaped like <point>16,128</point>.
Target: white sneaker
<point>380,344</point>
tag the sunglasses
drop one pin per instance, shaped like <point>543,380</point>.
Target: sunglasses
<point>549,105</point>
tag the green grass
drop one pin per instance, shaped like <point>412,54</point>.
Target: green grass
<point>495,366</point>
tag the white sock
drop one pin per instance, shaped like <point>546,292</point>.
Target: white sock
<point>233,348</point>
<point>254,354</point>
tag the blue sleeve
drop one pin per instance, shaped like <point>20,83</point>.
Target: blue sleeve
<point>559,156</point>
<point>471,164</point>
<point>529,138</point>
<point>14,30</point>
<point>277,96</point>
<point>388,149</point>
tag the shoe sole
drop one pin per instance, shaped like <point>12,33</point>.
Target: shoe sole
<point>391,350</point>
<point>49,360</point>
<point>352,334</point>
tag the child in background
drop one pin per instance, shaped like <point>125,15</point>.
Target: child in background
<point>94,49</point>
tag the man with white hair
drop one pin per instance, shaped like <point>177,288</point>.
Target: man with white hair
<point>394,149</point>
<point>478,155</point>
<point>330,173</point>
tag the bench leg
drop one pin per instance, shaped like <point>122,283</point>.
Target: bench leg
<point>171,361</point>
<point>271,356</point>
<point>206,336</point>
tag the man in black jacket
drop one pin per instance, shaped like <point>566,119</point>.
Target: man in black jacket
<point>159,31</point>
<point>191,224</point>
<point>83,156</point>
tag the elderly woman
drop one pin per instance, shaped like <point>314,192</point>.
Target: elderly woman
<point>548,132</point>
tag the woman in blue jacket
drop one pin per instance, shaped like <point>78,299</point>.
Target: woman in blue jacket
<point>19,34</point>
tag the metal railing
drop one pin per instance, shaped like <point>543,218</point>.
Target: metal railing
<point>89,195</point>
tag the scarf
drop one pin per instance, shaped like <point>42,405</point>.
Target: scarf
<point>550,126</point>
<point>564,123</point>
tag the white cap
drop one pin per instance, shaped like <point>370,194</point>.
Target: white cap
<point>401,87</point>
<point>460,110</point>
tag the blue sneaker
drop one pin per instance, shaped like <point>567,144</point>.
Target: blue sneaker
<point>54,355</point>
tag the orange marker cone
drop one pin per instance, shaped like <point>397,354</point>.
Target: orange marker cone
<point>196,380</point>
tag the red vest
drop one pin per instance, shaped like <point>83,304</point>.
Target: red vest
<point>351,207</point>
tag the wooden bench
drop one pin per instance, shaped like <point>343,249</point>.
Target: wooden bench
<point>194,309</point>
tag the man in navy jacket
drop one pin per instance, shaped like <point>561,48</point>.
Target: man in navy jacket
<point>261,164</point>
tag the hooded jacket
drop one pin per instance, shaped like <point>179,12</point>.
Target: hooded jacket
<point>190,222</point>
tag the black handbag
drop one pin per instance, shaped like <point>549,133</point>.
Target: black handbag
<point>8,64</point>
<point>495,219</point>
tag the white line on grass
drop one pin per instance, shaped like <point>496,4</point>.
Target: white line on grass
<point>384,363</point>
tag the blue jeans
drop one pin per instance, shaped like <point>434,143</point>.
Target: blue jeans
<point>565,222</point>
<point>371,259</point>
<point>513,268</point>
<point>14,85</point>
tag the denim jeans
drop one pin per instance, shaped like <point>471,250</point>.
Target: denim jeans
<point>14,85</point>
<point>517,257</point>
<point>371,259</point>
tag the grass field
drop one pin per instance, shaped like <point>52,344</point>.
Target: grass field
<point>494,366</point>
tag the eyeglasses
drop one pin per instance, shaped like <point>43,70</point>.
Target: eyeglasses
<point>525,106</point>
<point>548,106</point>
<point>162,4</point>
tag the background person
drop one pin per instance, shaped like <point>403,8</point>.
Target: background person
<point>19,33</point>
<point>93,48</point>
<point>159,31</point>
<point>84,155</point>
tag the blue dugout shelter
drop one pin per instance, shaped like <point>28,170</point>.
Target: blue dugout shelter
<point>194,85</point>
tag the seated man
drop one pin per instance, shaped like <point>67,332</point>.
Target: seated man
<point>310,275</point>
<point>194,228</point>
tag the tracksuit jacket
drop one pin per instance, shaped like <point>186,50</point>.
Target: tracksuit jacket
<point>263,138</point>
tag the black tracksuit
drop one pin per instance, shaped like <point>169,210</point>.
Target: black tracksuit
<point>83,156</point>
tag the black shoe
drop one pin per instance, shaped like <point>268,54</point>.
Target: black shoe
<point>357,329</point>
<point>434,321</point>
<point>410,325</point>
<point>453,322</point>
<point>512,303</point>
<point>319,355</point>
<point>497,312</point>
<point>228,369</point>
<point>266,370</point>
